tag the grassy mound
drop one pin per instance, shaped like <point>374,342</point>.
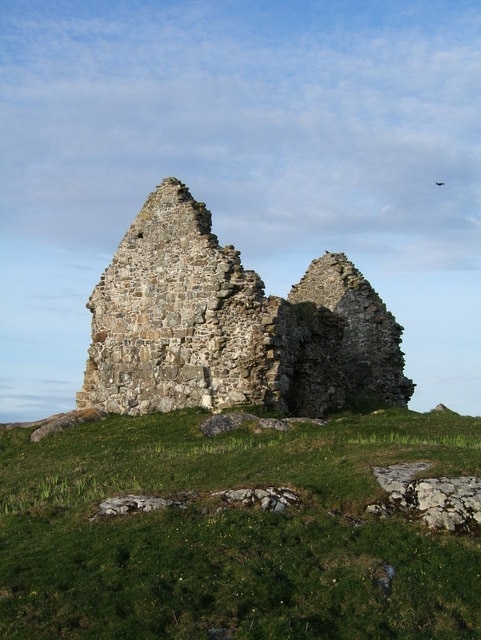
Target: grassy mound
<point>307,572</point>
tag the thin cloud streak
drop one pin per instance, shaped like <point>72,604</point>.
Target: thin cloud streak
<point>321,129</point>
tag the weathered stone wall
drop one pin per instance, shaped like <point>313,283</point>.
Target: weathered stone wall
<point>177,321</point>
<point>372,360</point>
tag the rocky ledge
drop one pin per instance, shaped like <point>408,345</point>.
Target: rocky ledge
<point>271,499</point>
<point>221,423</point>
<point>442,503</point>
<point>57,422</point>
<point>122,505</point>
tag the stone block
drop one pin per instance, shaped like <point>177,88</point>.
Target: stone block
<point>237,397</point>
<point>192,372</point>
<point>168,372</point>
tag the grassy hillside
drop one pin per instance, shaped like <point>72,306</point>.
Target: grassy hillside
<point>304,573</point>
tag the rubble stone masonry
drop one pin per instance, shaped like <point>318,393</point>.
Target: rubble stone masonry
<point>371,358</point>
<point>178,322</point>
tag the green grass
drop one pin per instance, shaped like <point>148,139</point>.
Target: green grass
<point>177,573</point>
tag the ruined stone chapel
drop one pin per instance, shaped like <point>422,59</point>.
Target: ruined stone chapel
<point>178,322</point>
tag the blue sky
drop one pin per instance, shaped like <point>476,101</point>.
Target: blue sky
<point>304,126</point>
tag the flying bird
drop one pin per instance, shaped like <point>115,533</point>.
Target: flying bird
<point>440,184</point>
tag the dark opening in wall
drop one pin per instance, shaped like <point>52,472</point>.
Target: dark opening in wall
<point>140,234</point>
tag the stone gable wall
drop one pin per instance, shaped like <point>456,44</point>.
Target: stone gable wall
<point>177,322</point>
<point>170,311</point>
<point>372,360</point>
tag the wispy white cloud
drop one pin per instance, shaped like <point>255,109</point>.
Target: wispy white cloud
<point>350,142</point>
<point>320,129</point>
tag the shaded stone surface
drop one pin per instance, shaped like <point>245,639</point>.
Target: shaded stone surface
<point>371,358</point>
<point>383,576</point>
<point>218,424</point>
<point>222,423</point>
<point>220,633</point>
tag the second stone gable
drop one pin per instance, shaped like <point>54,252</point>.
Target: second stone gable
<point>370,357</point>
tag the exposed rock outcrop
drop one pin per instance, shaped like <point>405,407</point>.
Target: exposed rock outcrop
<point>178,322</point>
<point>274,499</point>
<point>222,423</point>
<point>442,503</point>
<point>61,421</point>
<point>123,505</point>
